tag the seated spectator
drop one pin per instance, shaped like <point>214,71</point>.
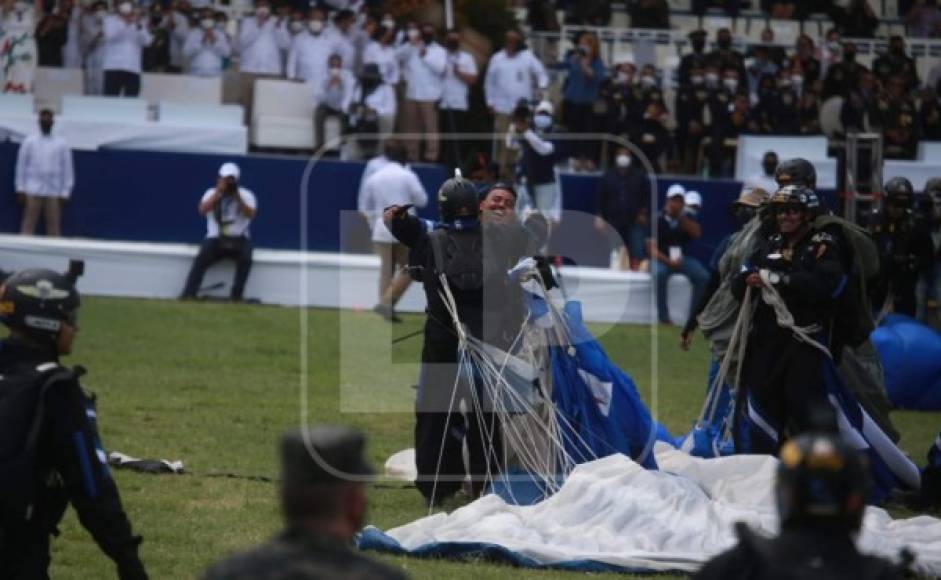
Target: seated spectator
<point>206,48</point>
<point>727,124</point>
<point>336,95</point>
<point>623,193</point>
<point>776,54</point>
<point>586,73</point>
<point>229,210</point>
<point>808,113</point>
<point>929,116</point>
<point>781,106</point>
<point>652,136</point>
<point>372,112</point>
<point>859,112</point>
<point>898,115</point>
<point>692,102</point>
<point>125,37</point>
<point>844,75</point>
<point>856,19</point>
<point>623,100</point>
<point>675,231</point>
<point>831,52</point>
<point>424,63</point>
<point>764,179</point>
<point>649,14</point>
<point>805,63</point>
<point>697,41</point>
<point>896,63</point>
<point>762,66</point>
<point>51,36</point>
<point>156,55</point>
<point>724,56</point>
<point>923,20</point>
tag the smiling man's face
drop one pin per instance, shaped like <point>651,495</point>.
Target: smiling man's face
<point>498,206</point>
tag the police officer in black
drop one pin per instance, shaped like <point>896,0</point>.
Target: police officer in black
<point>324,475</point>
<point>692,60</point>
<point>692,101</point>
<point>783,372</point>
<point>896,62</point>
<point>843,76</point>
<point>821,496</point>
<point>905,249</point>
<point>473,258</point>
<point>50,451</point>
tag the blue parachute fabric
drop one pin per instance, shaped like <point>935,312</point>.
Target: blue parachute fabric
<point>708,438</point>
<point>600,411</point>
<point>911,358</point>
<point>518,487</point>
<point>371,538</point>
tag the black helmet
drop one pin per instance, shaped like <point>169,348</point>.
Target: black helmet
<point>37,302</point>
<point>899,189</point>
<point>822,482</point>
<point>797,171</point>
<point>796,195</point>
<point>458,198</point>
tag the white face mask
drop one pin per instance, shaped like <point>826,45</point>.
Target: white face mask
<point>207,23</point>
<point>262,11</point>
<point>696,79</point>
<point>315,26</point>
<point>712,78</point>
<point>730,84</point>
<point>296,26</point>
<point>648,81</point>
<point>623,78</point>
<point>834,46</point>
<point>543,121</point>
<point>335,71</point>
<point>388,24</point>
<point>797,80</point>
<point>125,8</point>
<point>413,33</point>
<point>623,161</point>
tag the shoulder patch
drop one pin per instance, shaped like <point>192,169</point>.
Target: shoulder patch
<point>823,238</point>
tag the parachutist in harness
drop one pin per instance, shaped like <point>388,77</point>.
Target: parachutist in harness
<point>463,267</point>
<point>50,451</point>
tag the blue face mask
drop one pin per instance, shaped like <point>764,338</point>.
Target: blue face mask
<point>543,121</point>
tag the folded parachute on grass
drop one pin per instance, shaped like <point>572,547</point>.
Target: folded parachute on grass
<point>613,514</point>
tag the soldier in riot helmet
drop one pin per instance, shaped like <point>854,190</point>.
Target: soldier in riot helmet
<point>821,490</point>
<point>905,249</point>
<point>783,374</point>
<point>473,257</point>
<point>796,171</point>
<point>50,451</point>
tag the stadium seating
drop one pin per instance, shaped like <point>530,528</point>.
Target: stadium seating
<point>158,88</point>
<point>283,115</point>
<point>200,114</point>
<point>51,84</point>
<point>107,109</point>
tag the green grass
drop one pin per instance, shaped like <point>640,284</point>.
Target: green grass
<point>214,385</point>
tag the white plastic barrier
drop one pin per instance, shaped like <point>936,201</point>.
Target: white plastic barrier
<point>200,114</point>
<point>106,109</point>
<point>157,88</point>
<point>147,270</point>
<point>17,106</point>
<point>51,84</point>
<point>283,115</point>
<point>751,148</point>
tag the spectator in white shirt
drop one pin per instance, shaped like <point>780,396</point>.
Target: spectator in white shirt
<point>92,45</point>
<point>381,51</point>
<point>343,31</point>
<point>424,62</point>
<point>206,48</point>
<point>459,75</point>
<point>44,177</point>
<point>229,210</point>
<point>261,40</point>
<point>72,52</point>
<point>307,58</point>
<point>393,184</point>
<point>178,23</point>
<point>336,94</point>
<point>511,76</point>
<point>125,37</point>
<point>372,113</point>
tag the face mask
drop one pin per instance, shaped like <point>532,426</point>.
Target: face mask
<point>262,11</point>
<point>623,161</point>
<point>334,71</point>
<point>730,84</point>
<point>712,79</point>
<point>206,23</point>
<point>797,80</point>
<point>648,81</point>
<point>388,24</point>
<point>696,79</point>
<point>413,34</point>
<point>315,26</point>
<point>125,8</point>
<point>833,46</point>
<point>543,121</point>
<point>296,26</point>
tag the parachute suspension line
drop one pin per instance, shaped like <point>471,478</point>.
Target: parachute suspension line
<point>784,317</point>
<point>735,351</point>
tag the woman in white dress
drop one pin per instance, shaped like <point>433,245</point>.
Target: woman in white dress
<point>18,56</point>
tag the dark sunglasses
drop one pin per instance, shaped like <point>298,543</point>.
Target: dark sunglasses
<point>788,208</point>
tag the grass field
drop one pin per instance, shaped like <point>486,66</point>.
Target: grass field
<point>214,385</point>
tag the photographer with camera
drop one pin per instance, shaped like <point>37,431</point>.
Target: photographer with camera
<point>538,156</point>
<point>229,210</point>
<point>372,114</point>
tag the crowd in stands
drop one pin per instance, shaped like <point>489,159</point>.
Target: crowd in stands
<point>377,74</point>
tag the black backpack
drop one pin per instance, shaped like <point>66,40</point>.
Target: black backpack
<point>459,256</point>
<point>22,406</point>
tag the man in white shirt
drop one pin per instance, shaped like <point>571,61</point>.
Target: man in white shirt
<point>764,179</point>
<point>260,42</point>
<point>44,177</point>
<point>511,74</point>
<point>310,49</point>
<point>335,96</point>
<point>343,31</point>
<point>229,210</point>
<point>392,184</point>
<point>381,51</point>
<point>92,45</point>
<point>178,24</point>
<point>423,62</point>
<point>372,113</point>
<point>124,37</point>
<point>206,48</point>
<point>460,74</point>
